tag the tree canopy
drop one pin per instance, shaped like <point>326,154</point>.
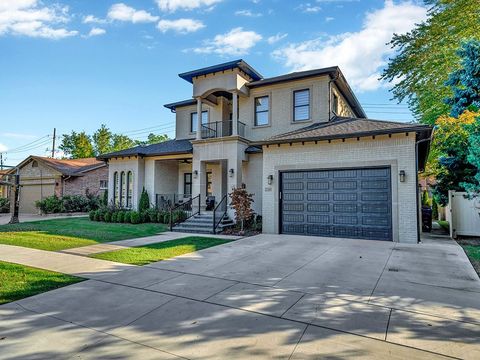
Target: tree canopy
<point>428,54</point>
<point>80,145</point>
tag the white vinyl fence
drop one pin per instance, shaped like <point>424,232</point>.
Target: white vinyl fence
<point>463,214</point>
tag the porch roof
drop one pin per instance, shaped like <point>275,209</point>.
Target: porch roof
<point>169,147</point>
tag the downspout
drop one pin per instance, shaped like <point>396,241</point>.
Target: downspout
<point>416,183</point>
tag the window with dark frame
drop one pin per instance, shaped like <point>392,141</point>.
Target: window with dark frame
<point>116,188</point>
<point>301,105</point>
<point>103,184</point>
<point>129,189</point>
<point>123,188</point>
<point>187,184</point>
<point>335,104</point>
<point>261,110</point>
<point>193,120</point>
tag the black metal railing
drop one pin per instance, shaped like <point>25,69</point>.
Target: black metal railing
<point>219,213</point>
<point>166,201</point>
<point>184,211</point>
<point>221,128</point>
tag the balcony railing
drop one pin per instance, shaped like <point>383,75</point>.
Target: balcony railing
<point>221,128</point>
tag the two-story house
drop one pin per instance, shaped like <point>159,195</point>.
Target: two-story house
<point>301,143</point>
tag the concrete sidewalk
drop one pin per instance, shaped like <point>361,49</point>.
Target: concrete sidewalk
<point>123,244</point>
<point>64,263</point>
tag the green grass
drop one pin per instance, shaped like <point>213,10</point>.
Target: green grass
<point>444,225</point>
<point>18,281</point>
<point>473,253</point>
<point>59,234</point>
<point>143,255</point>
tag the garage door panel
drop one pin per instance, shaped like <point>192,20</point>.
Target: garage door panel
<point>346,203</point>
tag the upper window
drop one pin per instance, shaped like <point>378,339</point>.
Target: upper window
<point>261,110</point>
<point>301,105</point>
<point>193,120</point>
<point>335,104</point>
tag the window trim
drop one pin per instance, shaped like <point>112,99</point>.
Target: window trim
<point>105,185</point>
<point>189,183</point>
<point>191,120</point>
<point>295,106</point>
<point>116,188</point>
<point>123,192</point>
<point>255,112</point>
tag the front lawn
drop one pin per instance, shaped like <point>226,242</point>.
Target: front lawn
<point>472,249</point>
<point>59,234</point>
<point>143,255</point>
<point>18,281</point>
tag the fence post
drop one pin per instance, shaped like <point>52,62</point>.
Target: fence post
<point>214,220</point>
<point>171,219</point>
<point>199,203</point>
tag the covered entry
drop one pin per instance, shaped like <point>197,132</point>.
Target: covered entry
<point>348,203</point>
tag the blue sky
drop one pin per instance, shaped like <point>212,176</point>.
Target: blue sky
<point>77,64</point>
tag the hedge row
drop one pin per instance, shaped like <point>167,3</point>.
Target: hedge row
<point>135,217</point>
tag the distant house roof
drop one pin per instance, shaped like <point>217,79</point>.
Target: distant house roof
<point>236,64</point>
<point>170,147</point>
<point>67,167</point>
<point>345,127</point>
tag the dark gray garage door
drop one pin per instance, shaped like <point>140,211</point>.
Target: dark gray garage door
<point>350,203</point>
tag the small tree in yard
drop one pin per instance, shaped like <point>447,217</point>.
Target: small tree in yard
<point>241,202</point>
<point>144,203</point>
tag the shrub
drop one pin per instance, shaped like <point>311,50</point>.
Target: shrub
<point>241,202</point>
<point>105,198</point>
<point>151,215</point>
<point>120,216</point>
<point>114,217</point>
<point>425,199</point>
<point>127,218</point>
<point>49,205</point>
<point>166,217</point>
<point>4,205</point>
<point>107,217</point>
<point>161,217</point>
<point>91,215</point>
<point>179,215</point>
<point>434,209</point>
<point>96,215</point>
<point>135,217</point>
<point>144,203</point>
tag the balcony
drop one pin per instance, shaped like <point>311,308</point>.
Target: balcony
<point>220,129</point>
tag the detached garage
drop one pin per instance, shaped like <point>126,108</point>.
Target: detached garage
<point>349,178</point>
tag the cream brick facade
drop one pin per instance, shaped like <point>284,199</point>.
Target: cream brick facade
<point>397,152</point>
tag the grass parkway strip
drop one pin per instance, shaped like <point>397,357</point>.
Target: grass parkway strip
<point>147,254</point>
<point>19,281</point>
<point>60,234</point>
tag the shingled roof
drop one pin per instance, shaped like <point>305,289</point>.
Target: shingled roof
<point>67,167</point>
<point>170,147</point>
<point>346,127</point>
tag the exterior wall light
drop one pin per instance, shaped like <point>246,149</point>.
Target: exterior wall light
<point>231,172</point>
<point>270,179</point>
<point>402,175</point>
<point>195,173</point>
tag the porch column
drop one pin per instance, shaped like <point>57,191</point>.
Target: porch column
<point>234,113</point>
<point>199,118</point>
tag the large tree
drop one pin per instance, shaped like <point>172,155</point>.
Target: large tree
<point>102,140</point>
<point>428,54</point>
<point>121,142</point>
<point>77,145</point>
<point>465,82</point>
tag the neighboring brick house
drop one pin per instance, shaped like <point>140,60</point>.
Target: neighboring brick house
<point>300,142</point>
<point>41,177</point>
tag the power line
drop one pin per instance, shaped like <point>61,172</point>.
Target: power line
<point>29,144</point>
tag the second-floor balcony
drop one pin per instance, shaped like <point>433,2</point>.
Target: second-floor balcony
<point>220,129</point>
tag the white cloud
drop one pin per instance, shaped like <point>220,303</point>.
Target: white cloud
<point>276,38</point>
<point>91,19</point>
<point>309,8</point>
<point>235,42</point>
<point>247,13</point>
<point>174,5</point>
<point>181,26</point>
<point>32,18</point>
<point>329,18</point>
<point>361,55</point>
<point>3,148</point>
<point>96,32</point>
<point>122,12</point>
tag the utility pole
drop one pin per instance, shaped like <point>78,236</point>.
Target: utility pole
<point>53,142</point>
<point>1,161</point>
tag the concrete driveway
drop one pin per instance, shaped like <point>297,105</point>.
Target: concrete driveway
<point>268,297</point>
